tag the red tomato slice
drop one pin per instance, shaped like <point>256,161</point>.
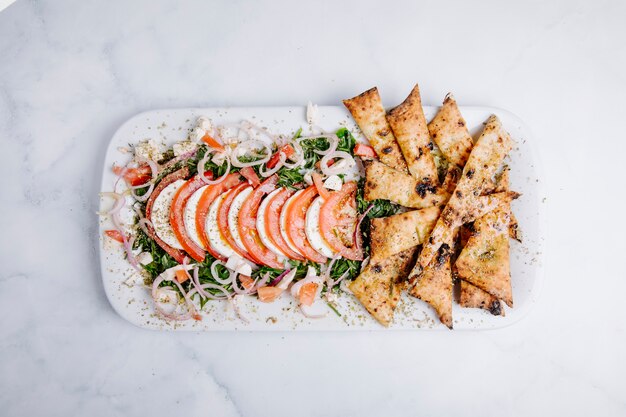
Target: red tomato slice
<point>249,174</point>
<point>247,225</point>
<point>115,235</point>
<point>181,174</point>
<point>177,216</point>
<point>364,151</point>
<point>208,196</point>
<point>134,176</point>
<point>272,223</point>
<point>296,215</point>
<point>319,184</point>
<point>338,219</point>
<point>222,222</point>
<point>287,150</point>
<point>213,143</point>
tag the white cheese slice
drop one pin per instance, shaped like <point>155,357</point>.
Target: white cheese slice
<point>333,183</point>
<point>190,216</point>
<point>160,216</point>
<point>262,227</point>
<point>312,229</point>
<point>283,222</point>
<point>212,230</point>
<point>233,216</point>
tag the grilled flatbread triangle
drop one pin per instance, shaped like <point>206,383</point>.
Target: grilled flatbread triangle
<point>449,131</point>
<point>379,286</point>
<point>368,112</point>
<point>383,182</point>
<point>411,131</point>
<point>473,297</point>
<point>484,161</point>
<point>394,234</point>
<point>484,261</point>
<point>434,285</point>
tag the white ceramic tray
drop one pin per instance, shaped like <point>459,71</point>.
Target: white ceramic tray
<point>131,299</point>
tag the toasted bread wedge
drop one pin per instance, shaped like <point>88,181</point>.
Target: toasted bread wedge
<point>383,182</point>
<point>473,297</point>
<point>368,112</point>
<point>450,133</point>
<point>394,234</point>
<point>411,131</point>
<point>434,285</point>
<point>379,286</point>
<point>465,204</point>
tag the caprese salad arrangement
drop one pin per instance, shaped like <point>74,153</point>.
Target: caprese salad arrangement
<point>237,211</point>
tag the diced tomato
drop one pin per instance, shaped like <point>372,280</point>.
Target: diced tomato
<point>249,174</point>
<point>269,294</point>
<point>272,223</point>
<point>364,151</point>
<point>177,215</point>
<point>286,150</point>
<point>296,215</point>
<point>319,184</point>
<point>330,163</point>
<point>246,281</point>
<point>182,275</point>
<point>134,176</point>
<point>222,222</point>
<point>206,199</point>
<point>338,219</point>
<point>307,293</point>
<point>115,235</point>
<point>181,174</point>
<point>247,225</point>
<point>212,142</point>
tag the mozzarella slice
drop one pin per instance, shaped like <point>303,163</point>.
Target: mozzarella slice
<point>190,216</point>
<point>333,183</point>
<point>283,222</point>
<point>261,226</point>
<point>160,216</point>
<point>233,216</point>
<point>212,230</point>
<point>312,229</point>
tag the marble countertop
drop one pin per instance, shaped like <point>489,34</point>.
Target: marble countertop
<point>71,72</point>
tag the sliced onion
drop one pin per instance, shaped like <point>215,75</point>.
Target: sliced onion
<point>196,282</point>
<point>179,158</point>
<point>344,287</point>
<point>209,295</point>
<point>358,237</point>
<point>216,275</point>
<point>245,146</point>
<point>308,315</point>
<point>279,278</point>
<point>120,201</point>
<point>203,162</point>
<point>278,166</point>
<point>170,316</point>
<point>263,281</point>
<point>336,168</point>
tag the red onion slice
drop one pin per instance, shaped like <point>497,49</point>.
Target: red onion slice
<point>216,276</point>
<point>279,165</point>
<point>338,167</point>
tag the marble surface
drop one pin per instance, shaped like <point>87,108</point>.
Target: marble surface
<point>71,72</point>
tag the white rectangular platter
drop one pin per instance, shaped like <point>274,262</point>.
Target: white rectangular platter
<point>131,298</point>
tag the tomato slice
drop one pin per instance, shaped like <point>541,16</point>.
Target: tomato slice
<point>286,150</point>
<point>338,220</point>
<point>250,174</point>
<point>319,184</point>
<point>181,174</point>
<point>272,223</point>
<point>115,235</point>
<point>296,222</point>
<point>212,142</point>
<point>307,293</point>
<point>134,176</point>
<point>247,225</point>
<point>177,216</point>
<point>222,222</point>
<point>364,151</point>
<point>268,294</point>
<point>182,275</point>
<point>208,196</point>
